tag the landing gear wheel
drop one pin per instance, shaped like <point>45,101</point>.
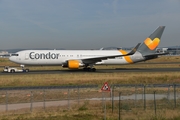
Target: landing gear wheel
<point>27,70</point>
<point>89,69</point>
<point>12,71</point>
<point>85,69</point>
<point>93,69</point>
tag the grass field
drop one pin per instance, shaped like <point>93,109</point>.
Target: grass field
<point>93,111</point>
<point>89,78</point>
<point>90,111</point>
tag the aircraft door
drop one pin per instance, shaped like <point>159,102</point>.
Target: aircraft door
<point>26,56</point>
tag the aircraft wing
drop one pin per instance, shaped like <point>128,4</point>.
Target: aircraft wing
<point>99,59</point>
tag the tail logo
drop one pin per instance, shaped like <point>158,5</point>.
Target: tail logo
<point>152,44</point>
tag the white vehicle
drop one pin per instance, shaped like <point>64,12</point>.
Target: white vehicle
<point>13,70</point>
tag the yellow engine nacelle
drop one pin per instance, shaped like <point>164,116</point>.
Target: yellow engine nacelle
<point>73,64</point>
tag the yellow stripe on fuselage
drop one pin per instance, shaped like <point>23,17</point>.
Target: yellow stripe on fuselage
<point>127,58</point>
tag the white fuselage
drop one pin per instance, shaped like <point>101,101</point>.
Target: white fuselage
<point>58,57</point>
<point>74,59</point>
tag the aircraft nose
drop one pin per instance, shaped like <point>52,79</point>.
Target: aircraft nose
<point>11,58</point>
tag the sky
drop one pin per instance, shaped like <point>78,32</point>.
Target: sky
<point>86,24</point>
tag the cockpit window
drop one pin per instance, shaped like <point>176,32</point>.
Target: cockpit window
<point>14,54</point>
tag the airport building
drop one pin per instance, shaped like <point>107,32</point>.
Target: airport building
<point>174,50</point>
<point>3,53</point>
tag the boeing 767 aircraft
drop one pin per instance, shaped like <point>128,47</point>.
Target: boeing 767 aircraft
<point>74,59</point>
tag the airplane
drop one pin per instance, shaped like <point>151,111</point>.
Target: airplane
<point>87,59</point>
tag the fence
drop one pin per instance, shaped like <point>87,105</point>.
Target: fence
<point>146,96</point>
<point>30,97</point>
<point>121,97</point>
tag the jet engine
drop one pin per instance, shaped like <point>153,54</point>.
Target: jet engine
<point>72,64</point>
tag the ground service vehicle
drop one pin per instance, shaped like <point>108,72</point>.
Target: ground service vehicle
<point>13,69</point>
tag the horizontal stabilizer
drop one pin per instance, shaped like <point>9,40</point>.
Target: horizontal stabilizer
<point>155,54</point>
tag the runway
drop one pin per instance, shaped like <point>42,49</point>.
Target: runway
<point>116,70</point>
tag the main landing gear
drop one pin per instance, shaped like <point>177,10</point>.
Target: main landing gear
<point>89,69</point>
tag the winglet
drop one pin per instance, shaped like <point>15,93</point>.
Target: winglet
<point>133,50</point>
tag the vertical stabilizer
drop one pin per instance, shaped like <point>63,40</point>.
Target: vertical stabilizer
<point>151,43</point>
